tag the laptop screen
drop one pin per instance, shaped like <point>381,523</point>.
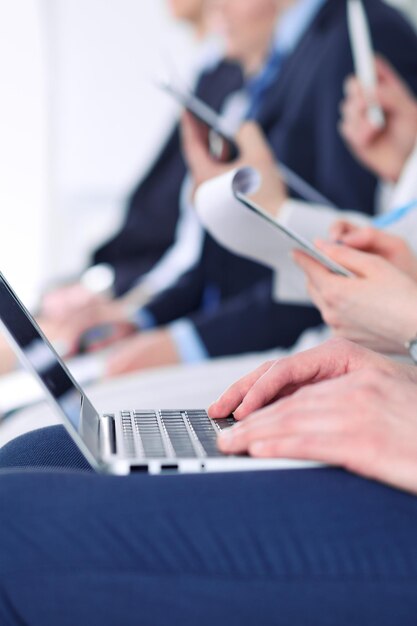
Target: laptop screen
<point>38,356</point>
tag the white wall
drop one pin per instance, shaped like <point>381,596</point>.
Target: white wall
<point>108,118</point>
<point>23,145</point>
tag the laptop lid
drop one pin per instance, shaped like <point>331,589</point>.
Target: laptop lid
<point>39,357</point>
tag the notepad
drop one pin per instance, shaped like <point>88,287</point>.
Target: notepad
<point>246,229</point>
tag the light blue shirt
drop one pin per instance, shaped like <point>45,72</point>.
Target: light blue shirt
<point>294,24</point>
<point>289,31</point>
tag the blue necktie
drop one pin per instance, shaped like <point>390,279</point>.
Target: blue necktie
<point>256,89</point>
<point>259,85</point>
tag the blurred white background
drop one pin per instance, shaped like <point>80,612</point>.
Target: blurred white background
<point>79,122</point>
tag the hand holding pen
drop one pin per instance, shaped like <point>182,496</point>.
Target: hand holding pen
<point>383,150</point>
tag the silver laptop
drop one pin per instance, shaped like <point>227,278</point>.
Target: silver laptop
<point>154,441</point>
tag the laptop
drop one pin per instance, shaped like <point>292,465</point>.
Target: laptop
<point>138,440</point>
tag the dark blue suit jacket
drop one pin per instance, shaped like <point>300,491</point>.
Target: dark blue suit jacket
<point>153,208</point>
<point>300,116</point>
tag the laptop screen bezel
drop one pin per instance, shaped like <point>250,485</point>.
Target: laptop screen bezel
<point>87,437</point>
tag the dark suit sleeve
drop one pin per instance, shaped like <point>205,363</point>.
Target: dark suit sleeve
<point>339,175</point>
<point>252,322</point>
<point>153,208</point>
<point>181,299</point>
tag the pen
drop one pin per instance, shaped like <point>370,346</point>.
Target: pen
<point>363,56</point>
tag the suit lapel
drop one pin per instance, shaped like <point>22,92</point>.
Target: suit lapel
<point>227,78</point>
<point>297,68</point>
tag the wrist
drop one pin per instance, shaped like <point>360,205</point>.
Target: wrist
<point>400,320</point>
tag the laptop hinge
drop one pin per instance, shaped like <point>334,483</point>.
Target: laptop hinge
<point>107,436</point>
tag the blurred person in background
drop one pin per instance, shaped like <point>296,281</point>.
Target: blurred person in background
<point>248,28</point>
<point>390,152</point>
<point>156,216</point>
<point>154,209</point>
<point>224,304</point>
<point>150,216</point>
<point>164,196</point>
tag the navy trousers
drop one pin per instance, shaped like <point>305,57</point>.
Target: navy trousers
<point>301,548</point>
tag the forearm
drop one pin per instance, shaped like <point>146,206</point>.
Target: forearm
<point>253,322</point>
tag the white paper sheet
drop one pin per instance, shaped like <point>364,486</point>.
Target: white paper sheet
<point>245,233</point>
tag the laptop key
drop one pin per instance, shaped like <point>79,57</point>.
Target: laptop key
<point>205,431</point>
<point>147,427</point>
<point>178,434</point>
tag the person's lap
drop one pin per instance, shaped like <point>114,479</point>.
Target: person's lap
<point>288,547</point>
<point>46,448</point>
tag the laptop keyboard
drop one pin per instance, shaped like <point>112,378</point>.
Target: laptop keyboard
<point>162,434</point>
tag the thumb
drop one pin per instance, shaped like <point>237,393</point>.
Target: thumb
<point>360,263</point>
<point>361,238</point>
